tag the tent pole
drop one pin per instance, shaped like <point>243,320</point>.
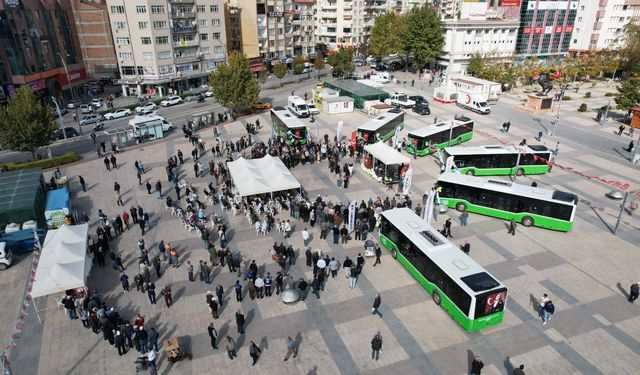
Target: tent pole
<point>33,302</point>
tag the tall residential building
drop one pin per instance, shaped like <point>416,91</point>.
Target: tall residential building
<point>346,23</point>
<point>402,6</point>
<point>599,24</point>
<point>546,27</point>
<point>96,41</point>
<point>448,9</point>
<point>38,39</point>
<point>166,46</point>
<point>483,29</point>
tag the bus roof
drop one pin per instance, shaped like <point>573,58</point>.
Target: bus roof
<point>443,253</point>
<point>287,118</point>
<point>509,187</point>
<point>494,149</point>
<point>437,128</point>
<point>376,122</point>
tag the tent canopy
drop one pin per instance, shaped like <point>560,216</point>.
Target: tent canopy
<point>259,176</point>
<point>386,154</point>
<point>64,263</point>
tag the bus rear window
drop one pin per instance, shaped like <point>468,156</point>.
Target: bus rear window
<point>480,282</point>
<point>565,197</point>
<point>490,303</point>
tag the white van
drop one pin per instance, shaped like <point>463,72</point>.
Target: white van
<point>298,106</point>
<point>381,77</point>
<point>140,121</point>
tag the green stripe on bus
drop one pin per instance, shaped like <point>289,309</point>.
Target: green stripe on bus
<point>428,151</point>
<point>527,169</point>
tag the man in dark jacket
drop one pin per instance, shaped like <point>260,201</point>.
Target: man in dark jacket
<point>303,288</point>
<point>376,346</point>
<point>376,304</point>
<point>240,322</point>
<point>213,334</point>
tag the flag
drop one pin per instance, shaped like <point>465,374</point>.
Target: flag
<point>406,186</point>
<point>396,137</point>
<point>339,129</point>
<point>448,164</point>
<point>428,207</point>
<point>352,216</point>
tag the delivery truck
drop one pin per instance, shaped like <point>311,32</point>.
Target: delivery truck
<point>473,102</point>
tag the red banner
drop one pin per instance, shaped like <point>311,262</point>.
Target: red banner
<point>527,30</point>
<point>537,30</point>
<point>74,76</point>
<point>558,29</point>
<point>353,139</point>
<point>510,3</point>
<point>568,29</point>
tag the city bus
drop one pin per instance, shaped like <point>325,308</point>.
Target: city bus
<point>382,127</point>
<point>495,160</point>
<point>465,290</point>
<point>287,125</point>
<point>531,206</point>
<point>430,138</point>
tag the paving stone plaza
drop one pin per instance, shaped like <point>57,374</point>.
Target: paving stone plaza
<point>587,273</point>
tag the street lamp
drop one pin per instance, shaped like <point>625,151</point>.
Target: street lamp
<point>55,102</point>
<point>617,195</point>
<point>73,96</point>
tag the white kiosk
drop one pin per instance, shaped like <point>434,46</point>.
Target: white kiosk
<point>384,164</point>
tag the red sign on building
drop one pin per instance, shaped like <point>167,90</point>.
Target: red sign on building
<point>558,29</point>
<point>510,3</point>
<point>537,30</point>
<point>568,29</point>
<point>527,30</point>
<point>74,76</point>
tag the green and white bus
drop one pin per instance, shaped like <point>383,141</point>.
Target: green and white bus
<point>382,127</point>
<point>531,206</point>
<point>427,140</point>
<point>287,125</point>
<point>495,160</point>
<point>465,290</point>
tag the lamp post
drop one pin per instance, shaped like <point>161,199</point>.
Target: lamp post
<point>73,96</point>
<point>55,102</point>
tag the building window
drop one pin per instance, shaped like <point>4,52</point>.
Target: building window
<point>120,25</point>
<point>143,25</point>
<point>157,9</point>
<point>128,70</point>
<point>159,25</point>
<point>117,9</point>
<point>162,40</point>
<point>216,36</point>
<point>123,41</point>
<point>215,22</point>
<point>148,56</point>
<point>141,9</point>
<point>145,40</point>
<point>205,50</point>
<point>202,23</point>
<point>218,49</point>
<point>125,56</point>
<point>213,8</point>
<point>164,55</point>
<point>204,36</point>
<point>201,9</point>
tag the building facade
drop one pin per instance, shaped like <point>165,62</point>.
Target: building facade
<point>96,41</point>
<point>166,47</point>
<point>39,39</point>
<point>346,23</point>
<point>546,27</point>
<point>599,24</point>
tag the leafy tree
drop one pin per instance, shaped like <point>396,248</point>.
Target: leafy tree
<point>298,64</point>
<point>233,84</point>
<point>262,77</point>
<point>280,70</point>
<point>25,123</point>
<point>385,37</point>
<point>342,61</point>
<point>628,94</point>
<point>630,52</point>
<point>424,35</point>
<point>476,64</point>
<point>319,63</point>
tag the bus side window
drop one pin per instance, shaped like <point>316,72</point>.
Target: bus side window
<point>458,296</point>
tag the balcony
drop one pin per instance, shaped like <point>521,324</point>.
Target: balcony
<point>184,59</point>
<point>182,15</point>
<point>347,17</point>
<point>329,6</point>
<point>186,43</point>
<point>184,29</point>
<point>181,1</point>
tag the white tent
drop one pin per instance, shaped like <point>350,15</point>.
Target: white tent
<point>386,154</point>
<point>384,163</point>
<point>64,263</point>
<point>259,176</point>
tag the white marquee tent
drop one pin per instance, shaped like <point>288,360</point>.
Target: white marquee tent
<point>384,163</point>
<point>386,154</point>
<point>260,176</point>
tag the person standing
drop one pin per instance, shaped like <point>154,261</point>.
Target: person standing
<point>305,237</point>
<point>240,322</point>
<point>219,294</point>
<point>268,281</point>
<point>231,348</point>
<point>238,289</point>
<point>151,293</point>
<point>308,257</point>
<point>292,348</point>
<point>512,227</point>
<point>634,291</point>
<point>213,335</point>
<point>347,266</point>
<point>120,343</point>
<point>333,267</point>
<point>254,352</point>
<point>376,346</point>
<point>378,252</point>
<point>556,151</point>
<point>213,307</point>
<point>353,276</point>
<point>476,366</point>
<point>279,282</point>
<point>206,270</point>
<point>82,184</point>
<point>466,248</point>
<point>124,280</point>
<point>464,216</point>
<point>168,298</point>
<point>447,228</point>
<point>519,370</point>
<point>190,271</point>
<point>303,287</point>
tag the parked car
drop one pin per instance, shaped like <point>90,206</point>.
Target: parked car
<point>58,135</point>
<point>418,99</point>
<point>91,119</point>
<point>313,109</point>
<point>352,75</point>
<point>260,105</point>
<point>172,100</point>
<point>208,93</point>
<point>336,73</point>
<point>381,66</point>
<point>96,102</point>
<point>85,108</point>
<point>358,62</point>
<point>63,111</point>
<point>146,107</point>
<point>422,108</point>
<point>118,113</point>
<point>73,104</point>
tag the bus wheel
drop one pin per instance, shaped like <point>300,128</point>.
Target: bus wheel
<point>459,141</point>
<point>461,207</point>
<point>394,253</point>
<point>527,221</point>
<point>436,298</point>
<point>471,172</point>
<point>519,172</point>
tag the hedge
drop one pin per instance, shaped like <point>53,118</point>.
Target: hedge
<point>566,98</point>
<point>68,157</point>
<point>583,107</point>
<point>609,94</point>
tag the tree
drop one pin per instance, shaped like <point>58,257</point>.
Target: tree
<point>319,63</point>
<point>385,36</point>
<point>233,84</point>
<point>630,52</point>
<point>298,64</point>
<point>280,70</point>
<point>424,35</point>
<point>342,61</point>
<point>262,77</point>
<point>25,123</point>
<point>628,94</point>
<point>476,64</point>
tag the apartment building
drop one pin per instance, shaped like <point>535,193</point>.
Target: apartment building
<point>599,24</point>
<point>546,27</point>
<point>448,9</point>
<point>39,39</point>
<point>167,46</point>
<point>96,41</point>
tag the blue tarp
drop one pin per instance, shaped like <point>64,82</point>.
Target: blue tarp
<point>57,199</point>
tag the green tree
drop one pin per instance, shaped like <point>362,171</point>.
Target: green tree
<point>298,64</point>
<point>262,77</point>
<point>233,84</point>
<point>385,36</point>
<point>280,70</point>
<point>342,61</point>
<point>318,63</point>
<point>424,35</point>
<point>628,94</point>
<point>476,64</point>
<point>25,123</point>
<point>630,52</point>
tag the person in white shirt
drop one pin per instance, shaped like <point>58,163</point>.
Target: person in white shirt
<point>287,229</point>
<point>151,356</point>
<point>305,237</point>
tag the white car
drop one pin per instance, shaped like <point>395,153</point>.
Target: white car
<point>208,93</point>
<point>96,102</point>
<point>85,108</point>
<point>313,109</point>
<point>122,112</point>
<point>148,106</point>
<point>172,100</point>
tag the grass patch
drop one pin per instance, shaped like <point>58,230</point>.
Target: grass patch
<point>66,158</point>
